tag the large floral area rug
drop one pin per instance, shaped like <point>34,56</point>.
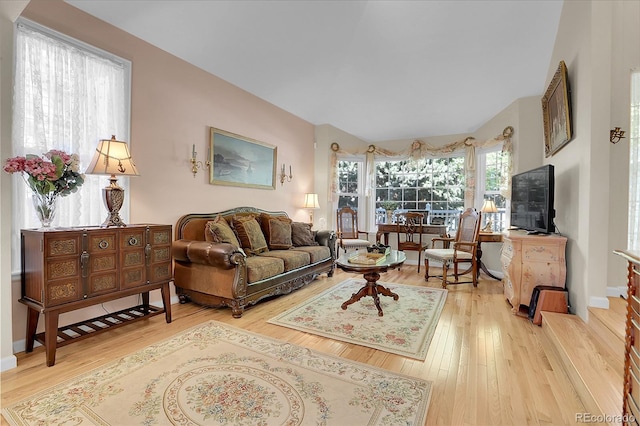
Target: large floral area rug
<point>215,374</point>
<point>405,329</point>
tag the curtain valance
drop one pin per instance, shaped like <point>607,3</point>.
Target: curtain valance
<point>419,149</point>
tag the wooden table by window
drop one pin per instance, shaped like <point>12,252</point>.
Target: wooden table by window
<point>486,237</point>
<point>384,229</point>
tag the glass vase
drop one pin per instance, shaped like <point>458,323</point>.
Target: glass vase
<point>45,205</point>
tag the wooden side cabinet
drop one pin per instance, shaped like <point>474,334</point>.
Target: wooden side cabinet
<point>631,389</point>
<point>529,261</point>
<point>72,268</point>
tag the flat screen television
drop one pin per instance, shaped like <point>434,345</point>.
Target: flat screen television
<point>532,200</point>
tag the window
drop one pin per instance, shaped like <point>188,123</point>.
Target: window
<point>492,171</point>
<point>433,185</point>
<point>633,242</point>
<point>351,187</point>
<point>441,187</point>
<point>67,96</point>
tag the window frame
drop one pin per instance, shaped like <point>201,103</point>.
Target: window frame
<point>481,191</point>
<point>450,219</point>
<point>362,210</point>
<point>91,198</point>
<point>633,221</point>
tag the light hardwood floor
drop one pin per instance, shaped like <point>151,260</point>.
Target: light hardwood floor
<point>488,366</point>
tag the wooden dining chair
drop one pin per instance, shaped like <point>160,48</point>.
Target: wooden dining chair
<point>461,249</point>
<point>409,233</point>
<point>349,236</point>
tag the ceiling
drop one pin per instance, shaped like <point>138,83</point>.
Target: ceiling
<point>379,70</point>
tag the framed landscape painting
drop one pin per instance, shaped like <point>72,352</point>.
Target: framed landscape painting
<point>556,112</point>
<point>239,161</point>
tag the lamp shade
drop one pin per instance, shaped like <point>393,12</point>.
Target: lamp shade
<point>112,158</point>
<point>489,207</point>
<point>311,201</point>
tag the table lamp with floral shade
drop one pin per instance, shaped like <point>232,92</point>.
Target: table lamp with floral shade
<point>112,158</point>
<point>50,176</point>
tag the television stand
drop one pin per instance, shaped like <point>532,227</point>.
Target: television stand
<point>528,261</point>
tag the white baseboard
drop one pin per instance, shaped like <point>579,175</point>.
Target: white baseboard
<point>8,363</point>
<point>599,302</point>
<point>21,345</point>
<point>158,304</point>
<point>498,274</point>
<point>617,291</point>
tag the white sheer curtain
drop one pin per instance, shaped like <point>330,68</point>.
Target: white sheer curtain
<point>634,165</point>
<point>67,96</point>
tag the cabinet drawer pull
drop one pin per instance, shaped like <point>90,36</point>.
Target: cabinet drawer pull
<point>103,244</point>
<point>147,254</point>
<point>133,241</point>
<point>84,264</point>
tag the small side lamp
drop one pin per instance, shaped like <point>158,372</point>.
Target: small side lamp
<point>311,203</point>
<point>112,158</point>
<point>488,207</point>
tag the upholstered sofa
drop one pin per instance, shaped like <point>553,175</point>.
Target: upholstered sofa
<point>238,257</point>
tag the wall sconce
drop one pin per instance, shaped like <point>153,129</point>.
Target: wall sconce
<point>112,158</point>
<point>283,175</point>
<point>311,203</point>
<point>195,164</point>
<point>489,206</point>
<point>615,135</point>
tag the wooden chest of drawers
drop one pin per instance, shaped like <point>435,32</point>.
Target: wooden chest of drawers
<point>531,260</point>
<point>72,268</point>
<point>631,390</point>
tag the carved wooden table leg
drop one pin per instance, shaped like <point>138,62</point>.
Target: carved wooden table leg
<point>373,289</point>
<point>166,301</point>
<point>32,324</point>
<point>51,336</point>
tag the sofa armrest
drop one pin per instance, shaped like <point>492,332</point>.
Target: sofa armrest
<point>326,237</point>
<point>222,255</point>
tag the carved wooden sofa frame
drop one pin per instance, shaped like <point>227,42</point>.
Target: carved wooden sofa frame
<point>215,274</point>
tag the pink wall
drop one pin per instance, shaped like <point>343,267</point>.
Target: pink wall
<point>173,105</point>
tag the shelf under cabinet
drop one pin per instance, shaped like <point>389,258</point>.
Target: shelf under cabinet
<point>89,328</point>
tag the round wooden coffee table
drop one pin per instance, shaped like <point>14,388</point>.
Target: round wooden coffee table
<point>372,275</point>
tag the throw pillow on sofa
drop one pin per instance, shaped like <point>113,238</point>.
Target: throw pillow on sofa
<point>219,231</point>
<point>250,234</point>
<point>277,231</point>
<point>302,235</point>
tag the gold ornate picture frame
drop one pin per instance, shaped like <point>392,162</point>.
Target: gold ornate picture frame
<point>240,161</point>
<point>556,112</point>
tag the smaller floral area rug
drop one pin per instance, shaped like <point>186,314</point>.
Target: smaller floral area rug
<point>215,374</point>
<point>405,329</point>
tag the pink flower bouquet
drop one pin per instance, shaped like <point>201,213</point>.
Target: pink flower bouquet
<point>55,173</point>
